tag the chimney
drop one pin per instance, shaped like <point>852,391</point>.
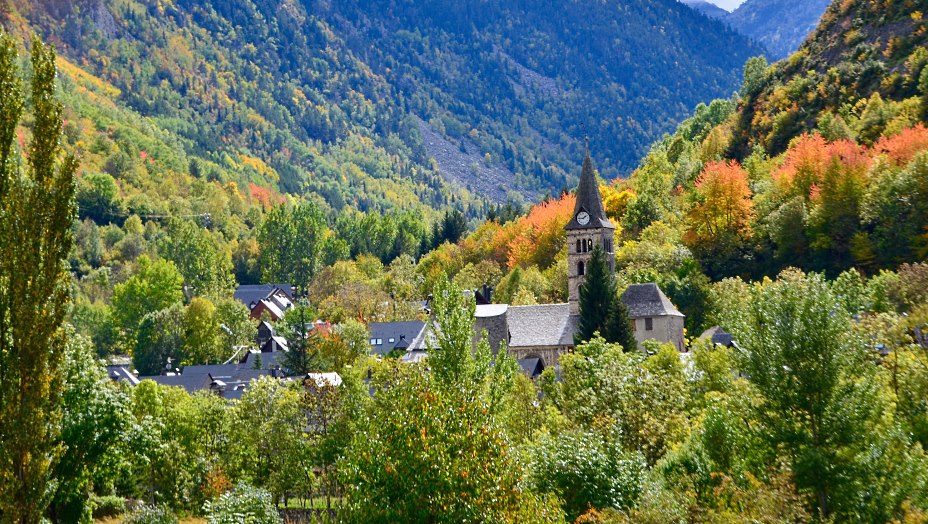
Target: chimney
<point>488,294</point>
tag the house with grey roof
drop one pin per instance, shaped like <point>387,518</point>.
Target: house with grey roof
<point>718,336</point>
<point>385,337</point>
<point>654,316</point>
<point>269,300</point>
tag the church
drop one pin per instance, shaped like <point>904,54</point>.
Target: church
<point>538,335</point>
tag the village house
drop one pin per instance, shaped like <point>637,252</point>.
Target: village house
<point>266,301</point>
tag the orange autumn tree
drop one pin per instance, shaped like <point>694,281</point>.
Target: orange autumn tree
<point>809,160</point>
<point>720,214</point>
<point>540,234</point>
<point>902,147</point>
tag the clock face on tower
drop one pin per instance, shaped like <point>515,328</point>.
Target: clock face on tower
<point>583,218</point>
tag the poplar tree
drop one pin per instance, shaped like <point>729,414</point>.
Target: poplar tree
<point>36,213</point>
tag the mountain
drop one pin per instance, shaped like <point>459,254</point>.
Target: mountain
<point>707,8</point>
<point>780,25</point>
<point>386,104</point>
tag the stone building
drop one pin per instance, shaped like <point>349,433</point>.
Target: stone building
<point>654,316</point>
<point>538,335</point>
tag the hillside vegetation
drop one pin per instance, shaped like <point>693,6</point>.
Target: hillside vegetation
<point>335,98</point>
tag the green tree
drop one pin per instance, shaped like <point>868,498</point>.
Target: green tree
<point>94,425</point>
<point>270,448</point>
<point>601,309</point>
<point>445,417</point>
<point>36,213</point>
<point>98,199</point>
<point>424,456</point>
<point>587,469</point>
<point>202,344</point>
<point>821,398</point>
<point>292,241</point>
<point>155,286</point>
<point>597,295</point>
<point>160,340</point>
<point>206,267</point>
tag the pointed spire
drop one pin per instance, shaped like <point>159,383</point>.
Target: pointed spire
<point>588,198</point>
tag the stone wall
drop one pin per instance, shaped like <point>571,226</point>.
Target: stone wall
<point>549,354</point>
<point>667,329</point>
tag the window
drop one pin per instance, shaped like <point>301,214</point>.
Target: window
<point>580,268</point>
<point>578,246</point>
<point>648,324</point>
<point>373,341</point>
<point>392,340</point>
<point>379,341</point>
<point>589,243</point>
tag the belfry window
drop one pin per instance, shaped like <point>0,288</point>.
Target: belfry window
<point>578,246</point>
<point>589,243</point>
<point>580,268</point>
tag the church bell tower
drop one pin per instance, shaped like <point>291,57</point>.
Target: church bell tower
<point>587,228</point>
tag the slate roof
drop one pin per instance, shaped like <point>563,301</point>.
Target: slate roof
<point>718,336</point>
<point>589,200</point>
<point>119,373</point>
<point>275,344</point>
<point>192,383</point>
<point>531,366</point>
<point>227,377</point>
<point>268,360</point>
<point>404,335</point>
<point>250,295</point>
<point>647,300</point>
<point>541,325</point>
<point>323,379</point>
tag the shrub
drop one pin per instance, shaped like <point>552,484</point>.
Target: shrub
<point>244,504</point>
<point>151,515</point>
<point>107,506</point>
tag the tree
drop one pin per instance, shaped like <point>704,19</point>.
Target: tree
<point>159,340</point>
<point>205,266</point>
<point>719,216</point>
<point>821,401</point>
<point>156,286</point>
<point>597,294</point>
<point>431,449</point>
<point>587,469</point>
<point>271,449</point>
<point>98,199</point>
<point>36,213</point>
<point>202,344</point>
<point>94,425</point>
<point>292,241</point>
<point>424,456</point>
<point>601,309</point>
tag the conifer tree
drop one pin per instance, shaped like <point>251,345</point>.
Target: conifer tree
<point>601,309</point>
<point>619,327</point>
<point>36,213</point>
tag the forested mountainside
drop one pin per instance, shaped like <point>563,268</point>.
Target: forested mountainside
<point>865,60</point>
<point>338,98</point>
